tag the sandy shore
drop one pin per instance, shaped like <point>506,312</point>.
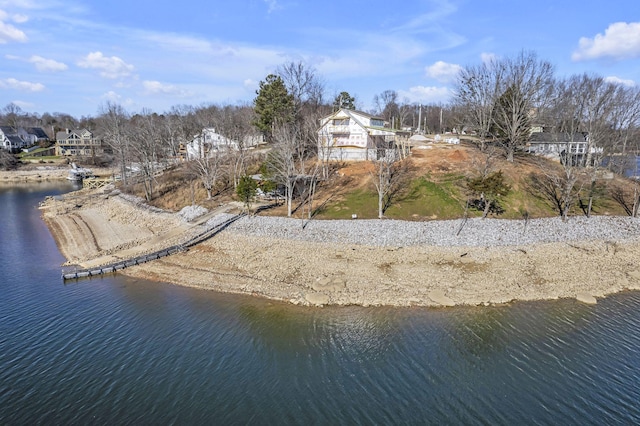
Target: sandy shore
<point>100,228</point>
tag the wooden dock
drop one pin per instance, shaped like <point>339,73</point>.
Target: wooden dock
<point>96,183</point>
<point>76,273</point>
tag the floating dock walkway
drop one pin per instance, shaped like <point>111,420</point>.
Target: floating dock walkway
<point>122,264</point>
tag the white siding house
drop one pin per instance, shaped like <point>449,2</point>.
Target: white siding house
<point>16,139</point>
<point>348,135</point>
<point>11,140</point>
<point>209,141</point>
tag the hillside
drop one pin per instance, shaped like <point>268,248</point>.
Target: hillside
<point>434,188</point>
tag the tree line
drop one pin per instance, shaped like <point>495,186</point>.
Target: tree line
<point>498,102</point>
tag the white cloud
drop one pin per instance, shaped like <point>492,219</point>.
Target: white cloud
<point>158,88</point>
<point>116,98</point>
<point>112,96</point>
<point>251,84</point>
<point>618,80</point>
<point>8,32</point>
<point>23,105</point>
<point>620,41</point>
<point>20,19</point>
<point>181,43</point>
<point>43,64</point>
<point>23,4</point>
<point>426,95</point>
<point>112,67</point>
<point>273,5</point>
<point>23,86</point>
<point>486,57</point>
<point>443,71</point>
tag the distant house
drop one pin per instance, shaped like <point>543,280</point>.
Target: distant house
<point>558,146</point>
<point>11,140</point>
<point>36,135</point>
<point>348,135</point>
<point>77,143</point>
<point>210,141</point>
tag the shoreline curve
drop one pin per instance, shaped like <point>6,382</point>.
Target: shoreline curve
<point>344,263</point>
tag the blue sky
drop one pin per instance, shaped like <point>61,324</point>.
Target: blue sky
<point>72,56</point>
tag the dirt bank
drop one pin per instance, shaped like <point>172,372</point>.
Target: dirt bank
<point>96,229</point>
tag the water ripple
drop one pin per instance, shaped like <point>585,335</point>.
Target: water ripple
<point>122,351</point>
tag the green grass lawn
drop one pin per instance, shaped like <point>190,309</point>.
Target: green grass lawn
<point>364,203</point>
<point>422,199</point>
<point>426,199</point>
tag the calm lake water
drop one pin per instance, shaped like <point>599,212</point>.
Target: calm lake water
<point>121,351</point>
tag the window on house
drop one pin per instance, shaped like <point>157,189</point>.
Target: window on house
<point>341,139</point>
<point>340,121</point>
<point>375,122</point>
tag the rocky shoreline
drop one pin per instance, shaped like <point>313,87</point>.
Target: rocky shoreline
<point>35,174</point>
<point>361,262</point>
<point>41,173</point>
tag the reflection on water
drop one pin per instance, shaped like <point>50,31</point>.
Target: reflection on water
<point>359,334</point>
<point>118,350</point>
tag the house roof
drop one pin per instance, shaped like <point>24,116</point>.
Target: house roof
<point>37,132</point>
<point>65,135</point>
<point>9,130</point>
<point>349,113</point>
<point>15,139</point>
<point>353,114</point>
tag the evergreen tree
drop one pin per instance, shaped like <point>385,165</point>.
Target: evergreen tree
<point>488,191</point>
<point>344,100</point>
<point>246,191</point>
<point>273,104</point>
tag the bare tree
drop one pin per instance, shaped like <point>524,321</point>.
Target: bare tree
<point>209,169</point>
<point>7,160</point>
<point>387,176</point>
<point>560,188</point>
<point>588,109</point>
<point>476,94</point>
<point>234,123</point>
<point>386,105</point>
<point>171,134</point>
<point>185,125</point>
<point>525,81</point>
<point>13,115</point>
<point>303,83</point>
<point>282,160</point>
<point>627,196</point>
<point>405,111</point>
<point>114,123</point>
<point>325,151</point>
<point>625,117</point>
<point>146,148</point>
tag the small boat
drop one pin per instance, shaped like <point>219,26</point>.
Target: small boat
<point>77,174</point>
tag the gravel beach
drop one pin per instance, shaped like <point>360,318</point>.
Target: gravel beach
<point>363,262</point>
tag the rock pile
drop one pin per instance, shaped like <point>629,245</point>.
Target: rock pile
<point>447,233</point>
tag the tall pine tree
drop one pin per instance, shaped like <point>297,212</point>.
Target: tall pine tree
<point>273,105</point>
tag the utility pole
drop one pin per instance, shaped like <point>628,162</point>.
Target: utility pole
<point>419,118</point>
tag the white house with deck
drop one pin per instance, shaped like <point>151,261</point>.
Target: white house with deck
<point>348,135</point>
<point>558,146</point>
<point>209,141</point>
<point>77,143</point>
